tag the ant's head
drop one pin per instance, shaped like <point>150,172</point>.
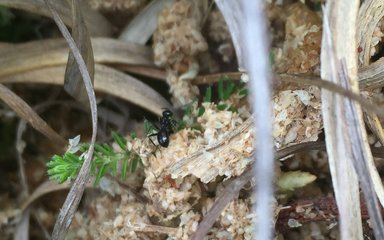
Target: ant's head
<point>167,113</point>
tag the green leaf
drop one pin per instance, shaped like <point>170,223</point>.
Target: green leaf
<point>148,127</point>
<point>181,125</point>
<point>6,16</point>
<point>103,169</point>
<point>100,149</point>
<point>114,167</point>
<point>200,111</point>
<point>134,163</point>
<point>220,89</point>
<point>124,169</point>
<point>64,167</point>
<point>188,109</point>
<point>120,140</point>
<point>289,181</point>
<point>133,135</point>
<point>232,109</point>
<point>243,92</point>
<point>229,90</point>
<point>222,107</point>
<point>208,95</point>
<point>108,148</point>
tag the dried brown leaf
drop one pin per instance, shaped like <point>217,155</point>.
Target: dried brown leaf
<point>26,112</point>
<point>26,56</point>
<point>75,194</point>
<point>347,148</point>
<point>141,28</point>
<point>97,23</point>
<point>73,83</point>
<point>107,80</point>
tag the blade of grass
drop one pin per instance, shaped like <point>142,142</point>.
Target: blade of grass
<point>347,147</point>
<point>73,83</point>
<point>18,58</point>
<point>142,26</point>
<point>76,192</point>
<point>28,114</point>
<point>107,80</point>
<point>97,23</point>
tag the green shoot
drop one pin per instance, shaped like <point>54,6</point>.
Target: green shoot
<point>63,168</point>
<point>208,95</point>
<point>148,127</point>
<point>105,161</point>
<point>200,111</point>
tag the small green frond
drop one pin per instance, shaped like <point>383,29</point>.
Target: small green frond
<point>124,169</point>
<point>120,140</point>
<point>229,90</point>
<point>208,95</point>
<point>243,92</point>
<point>148,127</point>
<point>134,163</point>
<point>222,107</point>
<point>200,111</point>
<point>133,135</point>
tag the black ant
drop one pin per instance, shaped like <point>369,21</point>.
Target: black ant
<point>167,124</point>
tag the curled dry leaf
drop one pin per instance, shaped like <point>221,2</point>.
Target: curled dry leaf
<point>369,30</point>
<point>107,80</point>
<point>73,82</point>
<point>141,28</point>
<point>96,22</point>
<point>27,56</point>
<point>28,114</point>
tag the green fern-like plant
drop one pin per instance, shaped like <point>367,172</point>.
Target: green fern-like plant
<point>105,161</point>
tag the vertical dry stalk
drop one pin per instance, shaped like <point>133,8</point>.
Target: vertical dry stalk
<point>346,139</point>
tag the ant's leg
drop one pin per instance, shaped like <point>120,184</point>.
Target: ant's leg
<point>150,139</point>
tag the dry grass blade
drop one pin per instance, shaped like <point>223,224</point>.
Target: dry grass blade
<point>25,112</point>
<point>43,189</point>
<point>141,28</point>
<point>231,11</point>
<point>370,13</point>
<point>27,56</point>
<point>360,151</point>
<point>107,80</point>
<point>341,139</point>
<point>76,192</point>
<point>374,124</point>
<point>96,23</point>
<point>152,72</point>
<point>371,76</point>
<point>73,83</point>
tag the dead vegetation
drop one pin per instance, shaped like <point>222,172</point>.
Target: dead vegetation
<point>326,121</point>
